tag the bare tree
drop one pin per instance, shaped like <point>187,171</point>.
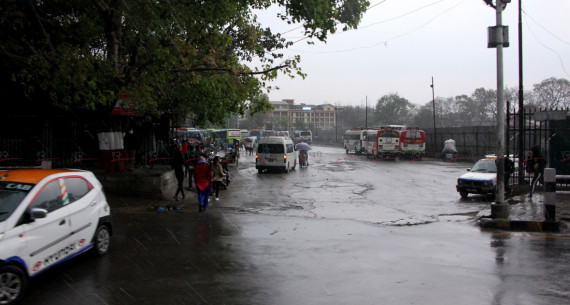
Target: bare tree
<point>552,93</point>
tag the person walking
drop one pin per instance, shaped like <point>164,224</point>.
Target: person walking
<point>202,177</point>
<point>191,159</point>
<point>535,164</point>
<point>219,176</point>
<point>178,165</point>
<point>131,143</point>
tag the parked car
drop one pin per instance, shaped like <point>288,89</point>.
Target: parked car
<point>47,216</point>
<point>481,178</point>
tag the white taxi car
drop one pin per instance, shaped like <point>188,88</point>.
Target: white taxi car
<point>481,178</point>
<point>46,217</point>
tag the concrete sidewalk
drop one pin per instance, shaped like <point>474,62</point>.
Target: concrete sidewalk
<point>527,213</point>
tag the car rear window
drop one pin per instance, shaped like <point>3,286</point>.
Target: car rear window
<point>389,134</point>
<point>413,134</point>
<point>270,148</point>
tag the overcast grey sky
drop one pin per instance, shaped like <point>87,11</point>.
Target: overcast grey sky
<point>401,44</point>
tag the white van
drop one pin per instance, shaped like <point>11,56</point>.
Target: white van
<point>275,153</point>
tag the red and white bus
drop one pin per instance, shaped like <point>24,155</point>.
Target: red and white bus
<point>413,142</point>
<point>370,142</point>
<point>389,142</point>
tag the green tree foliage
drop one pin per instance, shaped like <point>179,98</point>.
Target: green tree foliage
<point>209,59</point>
<point>393,109</point>
<point>480,109</point>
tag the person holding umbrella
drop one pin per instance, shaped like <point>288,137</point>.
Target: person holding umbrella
<point>303,149</point>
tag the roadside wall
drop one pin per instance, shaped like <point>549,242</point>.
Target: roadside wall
<point>156,183</point>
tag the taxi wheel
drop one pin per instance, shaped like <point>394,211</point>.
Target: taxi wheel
<point>102,240</point>
<point>13,283</point>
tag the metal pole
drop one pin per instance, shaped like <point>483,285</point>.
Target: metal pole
<point>433,103</point>
<point>335,127</point>
<point>521,103</point>
<point>499,209</point>
<point>366,114</point>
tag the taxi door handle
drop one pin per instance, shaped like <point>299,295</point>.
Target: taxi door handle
<point>62,222</point>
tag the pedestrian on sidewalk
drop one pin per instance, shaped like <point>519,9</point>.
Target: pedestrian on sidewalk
<point>535,165</point>
<point>191,159</point>
<point>202,177</point>
<point>219,176</point>
<point>131,143</point>
<point>178,164</point>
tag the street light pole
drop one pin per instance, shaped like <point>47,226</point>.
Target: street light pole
<point>498,208</point>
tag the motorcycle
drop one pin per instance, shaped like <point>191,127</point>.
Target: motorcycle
<point>228,179</point>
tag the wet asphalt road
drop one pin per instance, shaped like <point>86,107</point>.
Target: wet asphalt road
<point>346,230</point>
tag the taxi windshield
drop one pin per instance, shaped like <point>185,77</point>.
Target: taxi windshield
<point>11,194</point>
<point>484,166</point>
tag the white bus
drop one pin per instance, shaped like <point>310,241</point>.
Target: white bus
<point>303,136</point>
<point>353,141</point>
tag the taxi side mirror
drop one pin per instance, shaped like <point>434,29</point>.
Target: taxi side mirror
<point>37,213</point>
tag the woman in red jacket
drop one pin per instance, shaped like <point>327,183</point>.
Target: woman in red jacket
<point>202,178</point>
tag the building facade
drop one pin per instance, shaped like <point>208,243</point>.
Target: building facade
<point>288,116</point>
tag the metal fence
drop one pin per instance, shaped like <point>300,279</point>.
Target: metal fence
<point>34,139</point>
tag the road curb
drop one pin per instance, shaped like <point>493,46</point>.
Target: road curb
<point>520,225</point>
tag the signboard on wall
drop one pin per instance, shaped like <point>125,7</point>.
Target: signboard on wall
<point>124,106</point>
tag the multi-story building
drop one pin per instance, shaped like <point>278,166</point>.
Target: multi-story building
<point>287,115</point>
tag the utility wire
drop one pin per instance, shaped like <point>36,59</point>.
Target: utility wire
<point>385,43</point>
<point>403,15</point>
<point>375,5</point>
<point>548,48</point>
<point>545,29</point>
